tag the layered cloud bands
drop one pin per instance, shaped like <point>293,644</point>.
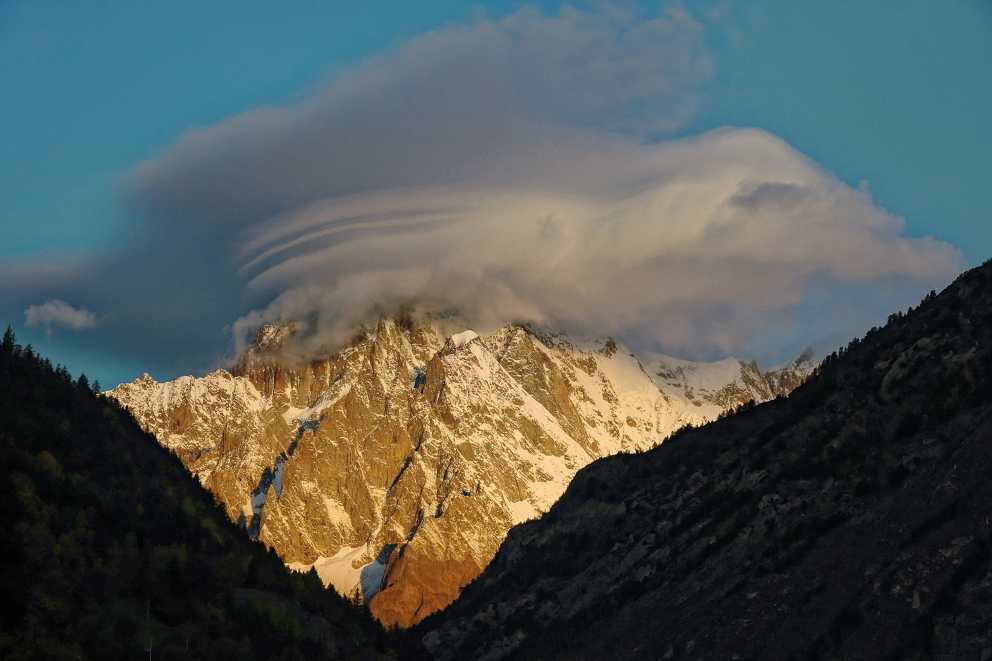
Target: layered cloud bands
<point>512,170</point>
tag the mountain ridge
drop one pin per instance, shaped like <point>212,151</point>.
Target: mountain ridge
<point>848,520</point>
<point>113,551</point>
<point>396,465</point>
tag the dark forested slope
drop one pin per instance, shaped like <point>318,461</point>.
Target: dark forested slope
<point>109,546</point>
<point>851,520</point>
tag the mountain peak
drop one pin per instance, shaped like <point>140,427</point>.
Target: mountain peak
<point>396,465</point>
<point>272,336</point>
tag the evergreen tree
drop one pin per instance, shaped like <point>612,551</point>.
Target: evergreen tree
<point>8,340</point>
<point>113,543</point>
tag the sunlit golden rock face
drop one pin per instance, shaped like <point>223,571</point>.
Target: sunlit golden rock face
<point>396,466</point>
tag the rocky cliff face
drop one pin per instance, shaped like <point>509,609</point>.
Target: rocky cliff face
<point>396,465</point>
<point>852,520</point>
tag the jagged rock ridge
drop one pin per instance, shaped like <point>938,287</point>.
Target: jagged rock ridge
<point>396,465</point>
<point>852,520</point>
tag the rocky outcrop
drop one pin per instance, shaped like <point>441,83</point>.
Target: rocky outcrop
<point>396,465</point>
<point>852,520</point>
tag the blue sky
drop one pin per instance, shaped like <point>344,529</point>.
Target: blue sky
<point>893,95</point>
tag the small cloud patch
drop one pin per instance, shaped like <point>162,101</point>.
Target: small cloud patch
<point>56,313</point>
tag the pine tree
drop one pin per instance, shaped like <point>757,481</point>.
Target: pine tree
<point>8,340</point>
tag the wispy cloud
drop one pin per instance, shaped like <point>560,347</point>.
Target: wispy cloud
<point>450,105</point>
<point>56,313</point>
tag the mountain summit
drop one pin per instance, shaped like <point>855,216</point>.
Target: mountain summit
<point>396,465</point>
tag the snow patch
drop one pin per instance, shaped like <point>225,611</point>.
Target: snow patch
<point>685,374</point>
<point>336,513</point>
<point>459,340</point>
<point>293,414</point>
<point>522,510</point>
<point>337,570</point>
<point>373,573</point>
<point>258,502</point>
<point>280,470</point>
<point>340,571</point>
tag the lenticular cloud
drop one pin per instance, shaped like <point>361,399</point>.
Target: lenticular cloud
<point>511,170</point>
<point>694,244</point>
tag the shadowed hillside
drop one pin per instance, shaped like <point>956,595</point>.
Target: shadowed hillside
<point>851,520</point>
<point>110,546</point>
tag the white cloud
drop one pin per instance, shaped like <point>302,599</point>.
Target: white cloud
<point>693,245</point>
<point>509,168</point>
<point>57,313</point>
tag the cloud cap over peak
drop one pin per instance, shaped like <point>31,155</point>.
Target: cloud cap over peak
<point>693,245</point>
<point>517,169</point>
<point>503,168</point>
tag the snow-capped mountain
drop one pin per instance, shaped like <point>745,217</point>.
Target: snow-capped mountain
<point>396,466</point>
